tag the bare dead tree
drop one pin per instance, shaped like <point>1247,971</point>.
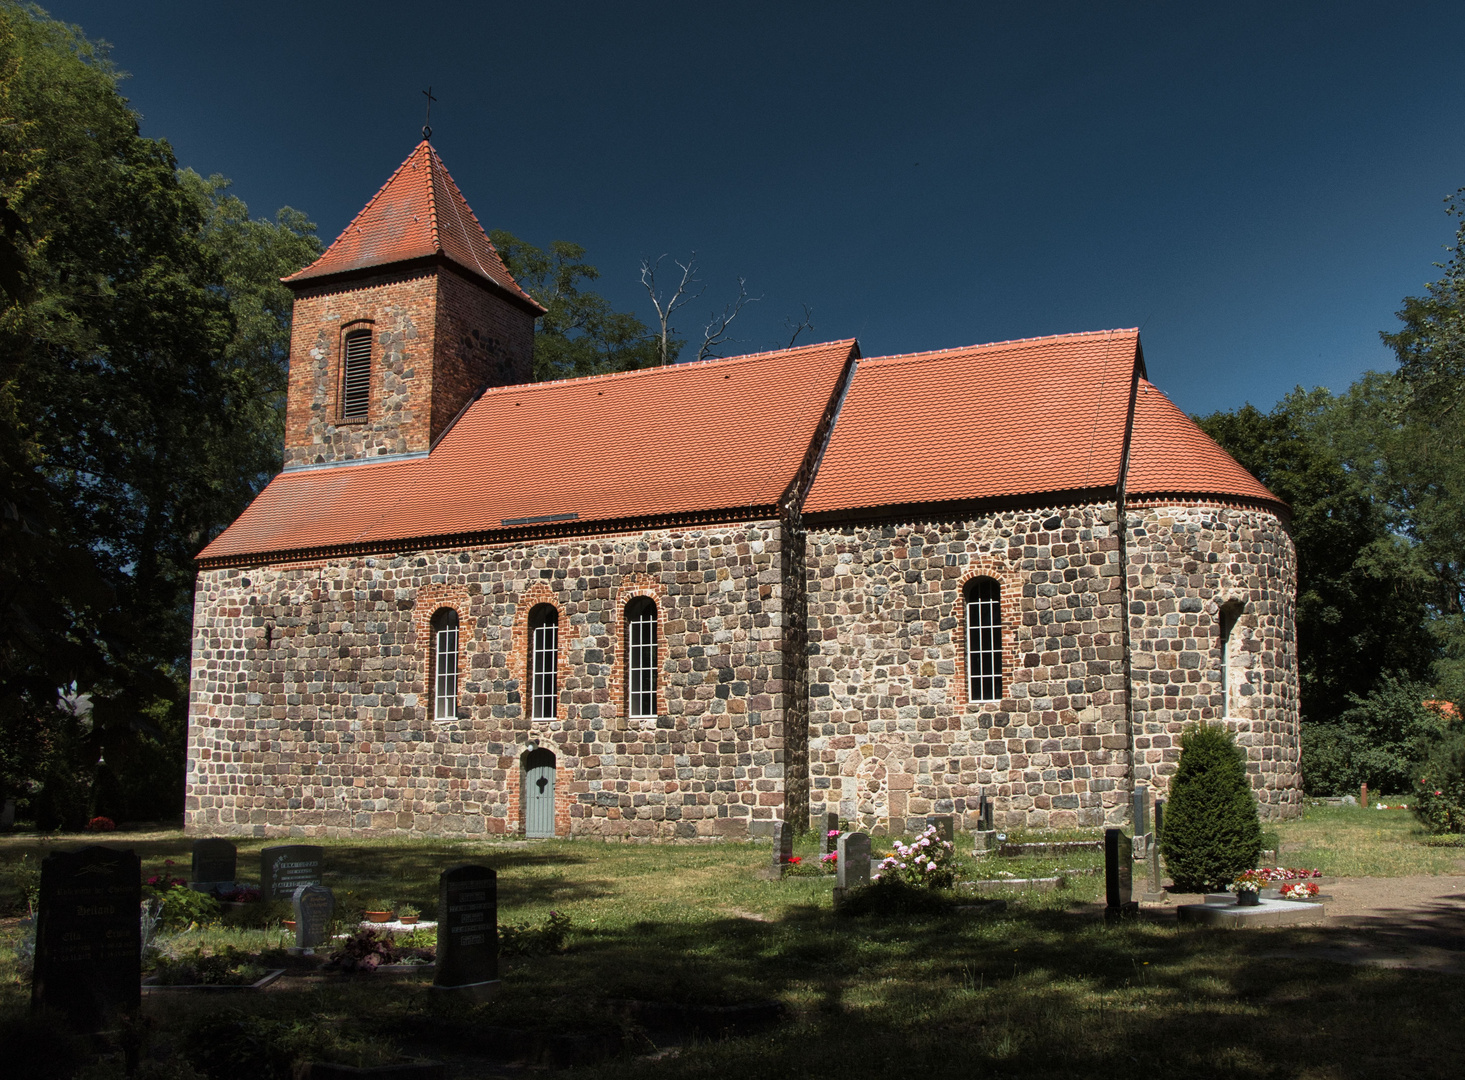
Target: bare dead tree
<point>807,323</point>
<point>714,334</point>
<point>679,298</point>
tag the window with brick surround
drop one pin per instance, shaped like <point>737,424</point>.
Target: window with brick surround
<point>356,374</point>
<point>641,658</point>
<point>983,602</point>
<point>445,665</point>
<point>544,651</point>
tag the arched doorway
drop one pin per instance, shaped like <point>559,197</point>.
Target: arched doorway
<point>539,793</point>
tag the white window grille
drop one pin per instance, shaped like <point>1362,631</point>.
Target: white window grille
<point>445,664</point>
<point>984,639</point>
<point>641,657</point>
<point>544,649</point>
<point>356,376</point>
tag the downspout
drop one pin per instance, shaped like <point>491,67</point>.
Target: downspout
<point>1121,526</point>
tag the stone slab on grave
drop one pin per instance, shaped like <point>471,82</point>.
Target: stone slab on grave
<point>314,905</point>
<point>1118,874</point>
<point>285,868</point>
<point>783,851</point>
<point>88,963</point>
<point>1265,913</point>
<point>215,865</point>
<point>467,932</point>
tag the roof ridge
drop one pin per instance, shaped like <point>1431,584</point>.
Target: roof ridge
<point>933,354</point>
<point>646,371</point>
<point>432,223</point>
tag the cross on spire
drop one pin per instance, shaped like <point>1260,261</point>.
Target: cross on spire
<point>427,126</point>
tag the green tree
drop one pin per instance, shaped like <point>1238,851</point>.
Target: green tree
<point>142,350</point>
<point>1212,832</point>
<point>1381,740</point>
<point>580,334</point>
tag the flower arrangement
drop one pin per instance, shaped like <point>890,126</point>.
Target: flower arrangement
<point>928,860</point>
<point>1277,873</point>
<point>101,824</point>
<point>829,863</point>
<point>794,860</point>
<point>240,894</point>
<point>1248,881</point>
<point>1299,890</point>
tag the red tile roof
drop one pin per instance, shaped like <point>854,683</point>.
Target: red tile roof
<point>1013,418</point>
<point>418,212</point>
<point>1169,455</point>
<point>716,436</point>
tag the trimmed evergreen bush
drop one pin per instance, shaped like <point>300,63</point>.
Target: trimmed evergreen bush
<point>1212,832</point>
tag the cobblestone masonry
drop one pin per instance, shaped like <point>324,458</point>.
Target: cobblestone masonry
<point>894,738</point>
<point>1185,564</point>
<point>310,710</point>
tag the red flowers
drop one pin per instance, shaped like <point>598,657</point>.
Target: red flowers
<point>794,860</point>
<point>101,824</point>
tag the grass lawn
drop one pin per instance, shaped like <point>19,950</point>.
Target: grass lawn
<point>1044,989</point>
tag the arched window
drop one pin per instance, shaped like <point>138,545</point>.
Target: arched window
<point>641,658</point>
<point>445,665</point>
<point>544,652</point>
<point>356,375</point>
<point>983,598</point>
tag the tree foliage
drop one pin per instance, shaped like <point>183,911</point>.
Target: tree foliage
<point>580,334</point>
<point>1381,740</point>
<point>142,359</point>
<point>1212,832</point>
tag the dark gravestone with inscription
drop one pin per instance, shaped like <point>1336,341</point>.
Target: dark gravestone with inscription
<point>826,842</point>
<point>88,936</point>
<point>467,930</point>
<point>284,869</point>
<point>1118,872</point>
<point>783,850</point>
<point>214,863</point>
<point>314,905</point>
<point>945,826</point>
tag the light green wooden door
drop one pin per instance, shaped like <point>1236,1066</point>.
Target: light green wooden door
<point>538,794</point>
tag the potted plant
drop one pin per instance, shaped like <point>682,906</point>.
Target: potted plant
<point>1247,888</point>
<point>407,914</point>
<point>379,911</point>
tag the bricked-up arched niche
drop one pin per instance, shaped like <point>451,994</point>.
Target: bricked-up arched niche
<point>443,653</point>
<point>538,789</point>
<point>1234,658</point>
<point>544,652</point>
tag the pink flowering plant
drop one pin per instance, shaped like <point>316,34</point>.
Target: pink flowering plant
<point>927,860</point>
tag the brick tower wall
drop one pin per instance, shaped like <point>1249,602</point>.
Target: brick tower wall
<point>310,709</point>
<point>437,339</point>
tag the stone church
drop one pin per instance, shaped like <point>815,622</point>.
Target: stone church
<point>688,601</point>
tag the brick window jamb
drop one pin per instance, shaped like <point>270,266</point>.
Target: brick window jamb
<point>522,644</point>
<point>635,586</point>
<point>1010,596</point>
<point>429,601</point>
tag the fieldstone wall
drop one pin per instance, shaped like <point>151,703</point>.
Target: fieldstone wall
<point>310,706</point>
<point>892,734</point>
<point>1189,565</point>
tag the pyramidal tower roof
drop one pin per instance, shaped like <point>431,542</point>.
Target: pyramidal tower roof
<point>419,213</point>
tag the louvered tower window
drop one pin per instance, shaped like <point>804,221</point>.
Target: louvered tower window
<point>544,651</point>
<point>356,376</point>
<point>641,657</point>
<point>445,664</point>
<point>983,598</point>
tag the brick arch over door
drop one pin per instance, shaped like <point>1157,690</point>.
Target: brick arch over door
<point>984,566</point>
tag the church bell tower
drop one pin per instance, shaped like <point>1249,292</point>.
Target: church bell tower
<point>400,324</point>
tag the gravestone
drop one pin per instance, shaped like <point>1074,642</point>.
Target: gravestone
<point>783,850</point>
<point>314,905</point>
<point>831,824</point>
<point>985,838</point>
<point>214,863</point>
<point>945,826</point>
<point>467,931</point>
<point>285,868</point>
<point>88,961</point>
<point>1118,872</point>
<point>7,815</point>
<point>1159,817</point>
<point>854,861</point>
<point>984,815</point>
<point>1140,808</point>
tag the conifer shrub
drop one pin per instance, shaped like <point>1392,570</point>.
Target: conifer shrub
<point>1212,832</point>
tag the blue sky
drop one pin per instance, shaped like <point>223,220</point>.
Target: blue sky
<point>1257,186</point>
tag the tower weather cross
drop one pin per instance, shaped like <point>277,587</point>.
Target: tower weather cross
<point>427,122</point>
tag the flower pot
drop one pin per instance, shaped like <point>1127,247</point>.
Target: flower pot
<point>409,920</point>
<point>288,924</point>
<point>1247,899</point>
<point>379,916</point>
